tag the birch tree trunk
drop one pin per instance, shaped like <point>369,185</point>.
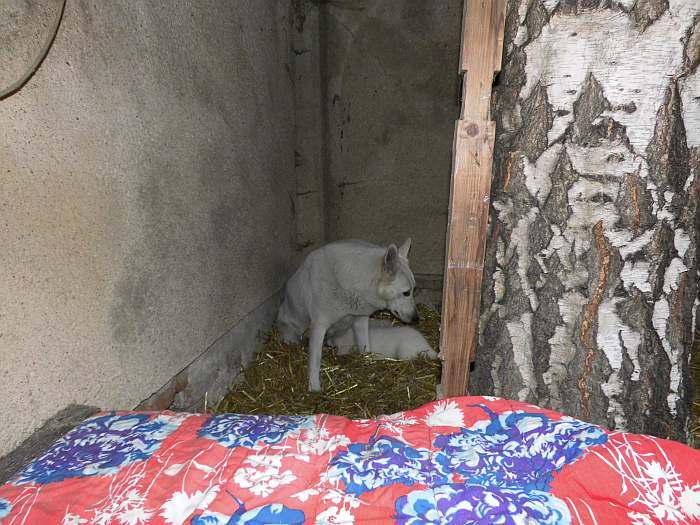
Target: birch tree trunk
<point>590,283</point>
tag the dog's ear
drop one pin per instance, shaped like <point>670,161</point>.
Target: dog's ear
<point>405,247</point>
<point>390,265</point>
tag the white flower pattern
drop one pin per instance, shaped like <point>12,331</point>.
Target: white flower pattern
<point>264,475</point>
<point>335,516</point>
<point>445,414</point>
<point>660,494</point>
<point>318,441</point>
<point>395,422</point>
<point>181,505</point>
<point>73,519</point>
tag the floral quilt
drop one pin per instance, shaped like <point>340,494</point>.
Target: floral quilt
<point>459,461</point>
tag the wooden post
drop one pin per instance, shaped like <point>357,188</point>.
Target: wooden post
<point>482,47</point>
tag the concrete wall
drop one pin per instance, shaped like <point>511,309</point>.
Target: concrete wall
<point>145,205</point>
<point>390,71</point>
<point>310,195</point>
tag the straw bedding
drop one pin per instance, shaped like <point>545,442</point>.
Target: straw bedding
<point>354,385</point>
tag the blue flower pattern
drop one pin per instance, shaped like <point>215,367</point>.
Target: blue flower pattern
<point>515,449</point>
<point>238,430</point>
<point>100,445</point>
<point>459,504</point>
<point>265,515</point>
<point>507,462</point>
<point>385,461</point>
<point>5,508</point>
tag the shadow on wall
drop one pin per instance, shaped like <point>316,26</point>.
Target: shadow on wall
<point>390,106</point>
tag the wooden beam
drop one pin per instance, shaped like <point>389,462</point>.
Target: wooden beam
<point>482,47</point>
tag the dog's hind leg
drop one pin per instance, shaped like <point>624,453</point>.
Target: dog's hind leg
<point>360,329</point>
<point>318,332</point>
<point>289,333</point>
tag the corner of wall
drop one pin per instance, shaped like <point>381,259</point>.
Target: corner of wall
<point>309,197</point>
<point>205,381</point>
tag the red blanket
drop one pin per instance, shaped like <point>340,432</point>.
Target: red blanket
<point>458,461</point>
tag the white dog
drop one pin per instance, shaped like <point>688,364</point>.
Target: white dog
<point>338,287</point>
<point>394,342</point>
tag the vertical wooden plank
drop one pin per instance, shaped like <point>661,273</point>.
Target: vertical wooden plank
<point>500,28</point>
<point>482,46</point>
<point>482,19</point>
<point>463,48</point>
<point>471,186</point>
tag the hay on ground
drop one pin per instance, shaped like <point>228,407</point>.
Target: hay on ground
<point>354,385</point>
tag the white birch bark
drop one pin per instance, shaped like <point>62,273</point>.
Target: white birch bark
<point>591,274</point>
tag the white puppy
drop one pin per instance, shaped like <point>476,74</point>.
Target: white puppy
<point>386,341</point>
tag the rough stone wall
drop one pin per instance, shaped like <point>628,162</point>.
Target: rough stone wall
<point>310,195</point>
<point>147,169</point>
<point>390,102</point>
<point>591,267</point>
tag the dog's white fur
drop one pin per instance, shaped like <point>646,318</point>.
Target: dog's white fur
<point>337,287</point>
<point>385,340</point>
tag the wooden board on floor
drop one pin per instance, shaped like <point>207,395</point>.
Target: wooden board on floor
<point>482,47</point>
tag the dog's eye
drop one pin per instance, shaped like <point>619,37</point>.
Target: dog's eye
<point>407,293</point>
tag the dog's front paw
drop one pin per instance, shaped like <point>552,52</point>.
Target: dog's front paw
<point>314,386</point>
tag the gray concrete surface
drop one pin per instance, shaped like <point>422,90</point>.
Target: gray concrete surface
<point>390,84</point>
<point>310,195</point>
<point>147,170</point>
<point>207,379</point>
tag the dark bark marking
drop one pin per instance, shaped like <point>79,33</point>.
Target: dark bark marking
<point>512,23</point>
<point>536,18</point>
<point>556,208</point>
<point>653,364</point>
<point>590,104</point>
<point>677,303</point>
<point>509,169</point>
<point>537,113</point>
<point>691,53</point>
<point>574,7</point>
<point>506,95</point>
<point>646,12</point>
<point>659,254</point>
<point>616,132</point>
<point>591,316</point>
<point>539,235</point>
<point>633,183</point>
<point>543,324</point>
<point>668,150</point>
